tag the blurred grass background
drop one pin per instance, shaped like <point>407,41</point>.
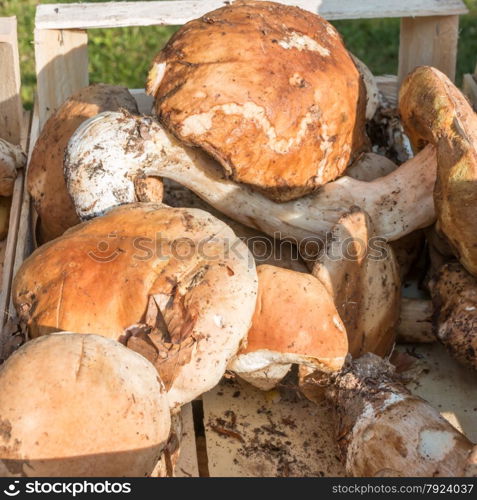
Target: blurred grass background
<point>123,55</point>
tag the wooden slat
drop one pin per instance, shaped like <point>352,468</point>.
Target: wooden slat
<point>61,58</point>
<point>261,434</point>
<point>187,465</point>
<point>11,243</point>
<point>428,41</point>
<point>388,85</point>
<point>120,14</point>
<point>469,87</point>
<point>10,99</point>
<point>144,101</point>
<point>24,241</point>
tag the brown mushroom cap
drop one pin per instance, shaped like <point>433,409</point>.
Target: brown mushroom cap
<point>434,111</point>
<point>46,182</point>
<point>361,274</point>
<point>175,284</point>
<point>454,297</point>
<point>269,90</point>
<point>80,405</point>
<point>295,321</point>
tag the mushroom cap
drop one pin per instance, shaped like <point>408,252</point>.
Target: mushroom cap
<point>434,111</point>
<point>80,405</point>
<point>454,297</point>
<point>175,284</point>
<point>360,272</point>
<point>295,321</point>
<point>269,90</point>
<point>46,182</point>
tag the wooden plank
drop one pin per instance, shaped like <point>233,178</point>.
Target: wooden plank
<point>469,88</point>
<point>61,58</point>
<point>144,101</point>
<point>449,387</point>
<point>428,41</point>
<point>388,85</point>
<point>187,465</point>
<point>264,434</point>
<point>11,245</point>
<point>10,99</point>
<point>120,14</point>
<point>25,242</point>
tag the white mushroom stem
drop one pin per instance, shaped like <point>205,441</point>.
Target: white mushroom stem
<point>415,323</point>
<point>109,151</point>
<point>383,430</point>
<point>11,158</point>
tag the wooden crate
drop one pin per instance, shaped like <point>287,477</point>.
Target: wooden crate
<point>298,431</point>
<point>14,126</point>
<point>469,87</point>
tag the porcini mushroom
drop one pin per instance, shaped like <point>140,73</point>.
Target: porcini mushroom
<point>295,321</point>
<point>174,284</point>
<point>454,297</point>
<point>80,405</point>
<point>46,183</point>
<point>275,97</point>
<point>11,159</point>
<point>435,112</point>
<point>384,430</point>
<point>398,203</point>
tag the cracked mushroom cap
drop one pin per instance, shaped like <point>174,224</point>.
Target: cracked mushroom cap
<point>174,284</point>
<point>269,90</point>
<point>46,182</point>
<point>361,273</point>
<point>434,111</point>
<point>295,321</point>
<point>90,407</point>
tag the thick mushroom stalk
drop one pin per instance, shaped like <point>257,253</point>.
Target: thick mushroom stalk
<point>11,158</point>
<point>454,296</point>
<point>108,152</point>
<point>361,274</point>
<point>434,111</point>
<point>384,430</point>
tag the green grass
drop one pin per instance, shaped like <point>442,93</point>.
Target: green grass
<point>123,55</point>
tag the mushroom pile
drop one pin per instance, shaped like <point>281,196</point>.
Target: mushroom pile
<point>246,226</point>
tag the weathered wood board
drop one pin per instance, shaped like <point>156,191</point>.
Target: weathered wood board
<point>264,434</point>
